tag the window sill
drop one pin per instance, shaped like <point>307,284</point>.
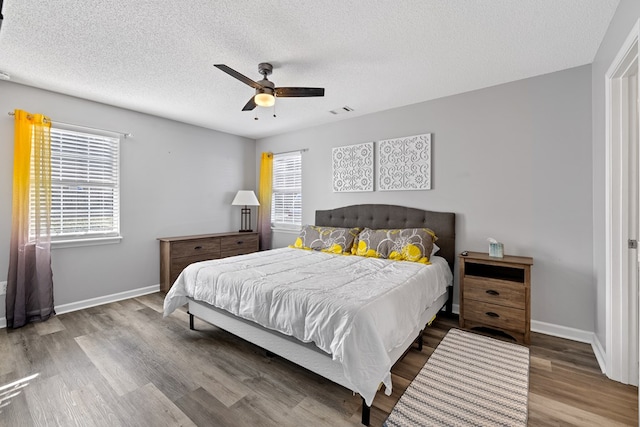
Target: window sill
<point>74,243</point>
<point>286,230</point>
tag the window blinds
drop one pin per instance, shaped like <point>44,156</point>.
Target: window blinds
<point>85,193</point>
<point>286,204</point>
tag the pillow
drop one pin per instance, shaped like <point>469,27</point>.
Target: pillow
<point>435,250</point>
<point>408,244</point>
<point>326,239</point>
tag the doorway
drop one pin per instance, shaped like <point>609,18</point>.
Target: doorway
<point>622,213</point>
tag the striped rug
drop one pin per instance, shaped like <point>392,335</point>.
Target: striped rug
<point>469,380</point>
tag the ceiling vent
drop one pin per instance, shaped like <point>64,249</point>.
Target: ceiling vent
<point>342,110</point>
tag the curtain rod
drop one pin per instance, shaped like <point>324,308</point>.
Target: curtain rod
<point>124,134</point>
<point>302,150</point>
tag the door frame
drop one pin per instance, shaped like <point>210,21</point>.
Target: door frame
<point>621,338</point>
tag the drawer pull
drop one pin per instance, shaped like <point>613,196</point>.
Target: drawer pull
<point>492,292</point>
<point>239,242</point>
<point>492,314</point>
<point>197,248</point>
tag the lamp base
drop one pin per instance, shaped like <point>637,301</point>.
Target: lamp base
<point>245,231</point>
<point>245,220</point>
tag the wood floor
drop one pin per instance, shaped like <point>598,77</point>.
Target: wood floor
<point>123,364</point>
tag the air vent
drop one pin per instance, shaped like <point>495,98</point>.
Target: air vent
<point>342,110</point>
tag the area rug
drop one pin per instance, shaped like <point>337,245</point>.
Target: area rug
<point>469,380</point>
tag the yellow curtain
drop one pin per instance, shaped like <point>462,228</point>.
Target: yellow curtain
<point>30,279</point>
<point>264,197</point>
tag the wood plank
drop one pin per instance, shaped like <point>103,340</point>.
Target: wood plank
<point>123,364</point>
<point>17,412</point>
<point>51,403</point>
<point>203,408</point>
<point>545,411</point>
<point>107,358</point>
<point>50,326</point>
<point>99,408</point>
<point>311,412</point>
<point>148,406</point>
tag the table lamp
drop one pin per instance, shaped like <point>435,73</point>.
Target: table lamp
<point>245,198</point>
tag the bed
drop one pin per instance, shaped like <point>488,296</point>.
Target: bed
<point>353,347</point>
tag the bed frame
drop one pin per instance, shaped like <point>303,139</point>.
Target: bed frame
<point>308,355</point>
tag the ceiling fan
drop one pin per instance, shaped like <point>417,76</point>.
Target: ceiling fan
<point>266,90</point>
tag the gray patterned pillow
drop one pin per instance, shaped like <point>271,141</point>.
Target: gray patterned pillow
<point>407,244</point>
<point>326,239</point>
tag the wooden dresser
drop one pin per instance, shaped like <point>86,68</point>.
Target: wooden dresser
<point>495,293</point>
<point>178,252</point>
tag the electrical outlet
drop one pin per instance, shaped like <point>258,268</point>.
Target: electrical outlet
<point>3,288</point>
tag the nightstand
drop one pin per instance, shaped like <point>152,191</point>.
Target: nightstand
<point>178,252</point>
<point>495,293</point>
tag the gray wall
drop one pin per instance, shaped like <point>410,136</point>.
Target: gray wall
<point>623,21</point>
<point>176,179</point>
<point>513,161</point>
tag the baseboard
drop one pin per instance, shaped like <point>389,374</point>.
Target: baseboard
<point>562,331</point>
<point>574,335</point>
<point>92,302</point>
<point>601,356</point>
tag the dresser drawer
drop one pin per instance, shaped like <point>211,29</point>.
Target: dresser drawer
<point>179,264</point>
<point>494,315</point>
<point>188,248</point>
<point>495,291</point>
<point>238,245</point>
<point>178,252</point>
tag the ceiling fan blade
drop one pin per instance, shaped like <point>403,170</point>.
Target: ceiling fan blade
<point>233,73</point>
<point>250,105</point>
<point>298,92</point>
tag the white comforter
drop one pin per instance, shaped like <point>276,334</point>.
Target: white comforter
<point>356,309</point>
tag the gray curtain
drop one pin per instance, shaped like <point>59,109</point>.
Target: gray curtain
<point>29,285</point>
<point>30,278</point>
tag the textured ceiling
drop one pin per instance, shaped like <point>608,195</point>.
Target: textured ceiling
<point>157,56</point>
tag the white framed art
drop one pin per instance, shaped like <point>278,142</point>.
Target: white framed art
<point>353,167</point>
<point>405,163</point>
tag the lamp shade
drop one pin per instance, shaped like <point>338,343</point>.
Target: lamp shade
<point>245,198</point>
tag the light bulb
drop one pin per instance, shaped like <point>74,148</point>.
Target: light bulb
<point>264,99</point>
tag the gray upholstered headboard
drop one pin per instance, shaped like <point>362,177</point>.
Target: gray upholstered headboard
<point>390,216</point>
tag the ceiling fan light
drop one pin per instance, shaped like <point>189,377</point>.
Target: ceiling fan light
<point>264,99</point>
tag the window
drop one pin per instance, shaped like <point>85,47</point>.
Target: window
<point>85,194</point>
<point>286,203</point>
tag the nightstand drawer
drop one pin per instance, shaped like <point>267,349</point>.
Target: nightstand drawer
<point>194,247</point>
<point>495,291</point>
<point>238,245</point>
<point>494,315</point>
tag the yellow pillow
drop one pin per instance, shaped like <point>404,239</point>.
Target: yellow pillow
<point>326,239</point>
<point>407,244</point>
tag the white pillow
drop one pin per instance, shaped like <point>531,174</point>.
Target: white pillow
<point>434,250</point>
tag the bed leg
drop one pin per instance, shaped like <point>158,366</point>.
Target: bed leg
<point>450,301</point>
<point>191,322</point>
<point>420,341</point>
<point>366,413</point>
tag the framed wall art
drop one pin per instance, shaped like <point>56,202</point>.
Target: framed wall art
<point>353,168</point>
<point>405,163</point>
